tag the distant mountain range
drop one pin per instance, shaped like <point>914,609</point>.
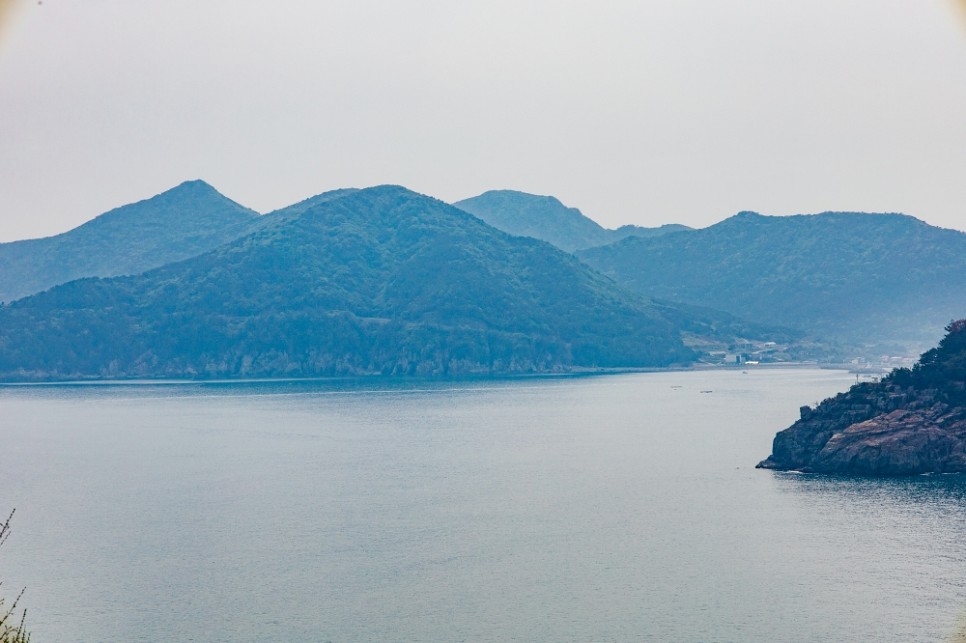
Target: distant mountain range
<point>544,217</point>
<point>859,278</point>
<point>180,223</point>
<point>380,280</point>
<point>384,280</point>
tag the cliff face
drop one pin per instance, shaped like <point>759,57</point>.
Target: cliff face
<point>914,421</point>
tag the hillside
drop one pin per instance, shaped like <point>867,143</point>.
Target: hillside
<point>296,209</point>
<point>913,421</point>
<point>380,280</point>
<point>854,277</point>
<point>183,222</point>
<point>546,218</point>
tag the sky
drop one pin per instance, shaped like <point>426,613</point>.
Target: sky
<point>635,111</point>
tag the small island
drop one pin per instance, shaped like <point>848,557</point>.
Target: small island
<point>913,421</point>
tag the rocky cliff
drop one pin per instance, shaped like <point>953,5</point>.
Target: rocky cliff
<point>913,421</point>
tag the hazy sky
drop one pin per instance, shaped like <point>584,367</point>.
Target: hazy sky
<point>635,111</point>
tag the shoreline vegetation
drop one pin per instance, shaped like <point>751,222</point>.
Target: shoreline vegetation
<point>10,633</point>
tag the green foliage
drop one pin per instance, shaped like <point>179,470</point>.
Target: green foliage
<point>942,368</point>
<point>850,276</point>
<point>373,281</point>
<point>11,629</point>
<point>180,223</point>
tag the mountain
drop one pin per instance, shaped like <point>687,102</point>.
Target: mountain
<point>380,280</point>
<point>912,422</point>
<point>544,217</point>
<point>854,277</point>
<point>296,209</point>
<point>185,221</point>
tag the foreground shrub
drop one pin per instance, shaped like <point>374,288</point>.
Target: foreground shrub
<point>11,629</point>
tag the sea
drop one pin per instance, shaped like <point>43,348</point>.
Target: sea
<point>621,507</point>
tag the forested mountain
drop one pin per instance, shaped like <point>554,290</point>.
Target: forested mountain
<point>855,277</point>
<point>380,280</point>
<point>544,217</point>
<point>296,209</point>
<point>183,222</point>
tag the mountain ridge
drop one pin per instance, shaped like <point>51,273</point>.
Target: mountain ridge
<point>855,277</point>
<point>546,218</point>
<point>176,224</point>
<point>351,285</point>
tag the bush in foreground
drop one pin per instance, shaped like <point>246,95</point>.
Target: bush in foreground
<point>10,633</point>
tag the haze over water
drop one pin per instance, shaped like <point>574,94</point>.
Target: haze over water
<point>610,508</point>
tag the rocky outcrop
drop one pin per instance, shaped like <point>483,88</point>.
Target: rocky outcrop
<point>912,422</point>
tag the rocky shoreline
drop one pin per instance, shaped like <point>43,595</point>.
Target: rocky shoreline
<point>912,422</point>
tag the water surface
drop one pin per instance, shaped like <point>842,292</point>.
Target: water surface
<point>614,508</point>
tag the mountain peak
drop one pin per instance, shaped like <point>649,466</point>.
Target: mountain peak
<point>383,280</point>
<point>855,277</point>
<point>188,219</point>
<point>532,215</point>
<point>518,194</point>
<point>392,190</point>
<point>192,189</point>
<point>388,192</point>
<point>546,218</point>
<point>194,184</point>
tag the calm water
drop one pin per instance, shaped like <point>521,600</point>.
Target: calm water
<point>617,508</point>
